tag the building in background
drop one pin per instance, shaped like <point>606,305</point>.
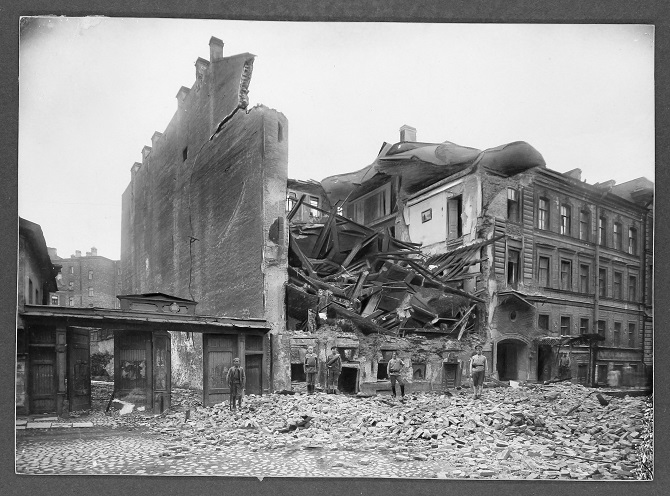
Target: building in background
<point>87,281</point>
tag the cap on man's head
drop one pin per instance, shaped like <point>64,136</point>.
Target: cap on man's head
<point>479,347</point>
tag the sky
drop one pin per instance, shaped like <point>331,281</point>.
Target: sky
<point>92,91</point>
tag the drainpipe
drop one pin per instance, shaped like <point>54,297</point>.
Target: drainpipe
<point>596,304</point>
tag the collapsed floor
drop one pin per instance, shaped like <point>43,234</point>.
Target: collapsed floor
<point>552,431</point>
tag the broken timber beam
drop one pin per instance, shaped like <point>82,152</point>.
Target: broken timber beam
<point>293,244</point>
<point>295,208</point>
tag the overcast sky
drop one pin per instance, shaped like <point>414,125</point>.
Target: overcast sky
<point>94,90</point>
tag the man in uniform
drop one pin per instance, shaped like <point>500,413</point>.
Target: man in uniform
<point>334,364</point>
<point>236,380</point>
<point>478,369</point>
<point>311,367</point>
<point>394,371</point>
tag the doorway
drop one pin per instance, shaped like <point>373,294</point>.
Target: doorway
<point>253,368</point>
<point>508,356</point>
<point>218,353</point>
<point>348,382</point>
<point>79,369</point>
<point>543,363</point>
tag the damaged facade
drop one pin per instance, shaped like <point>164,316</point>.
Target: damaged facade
<point>203,220</point>
<point>552,257</point>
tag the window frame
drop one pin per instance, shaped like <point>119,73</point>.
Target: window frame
<point>513,205</point>
<point>617,236</point>
<point>566,285</point>
<point>602,282</point>
<point>543,213</point>
<point>584,286</point>
<point>568,319</point>
<point>632,334</point>
<point>540,269</point>
<point>602,230</point>
<point>617,327</point>
<point>548,317</point>
<point>632,284</point>
<point>565,227</point>
<point>584,225</point>
<point>617,288</point>
<point>515,271</point>
<point>632,241</point>
<point>584,329</point>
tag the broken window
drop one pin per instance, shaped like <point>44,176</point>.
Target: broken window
<point>618,279</point>
<point>373,206</point>
<point>566,220</point>
<point>632,241</point>
<point>602,282</point>
<point>418,371</point>
<point>602,230</point>
<point>566,275</point>
<point>583,278</point>
<point>616,334</point>
<point>631,334</point>
<point>313,201</point>
<point>543,272</point>
<point>512,205</point>
<point>348,354</point>
<point>565,326</point>
<point>632,288</point>
<point>583,326</point>
<point>543,214</point>
<point>513,257</point>
<point>291,200</point>
<point>454,222</point>
<point>616,236</point>
<point>543,322</point>
<point>584,225</point>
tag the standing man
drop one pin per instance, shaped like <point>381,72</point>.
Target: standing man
<point>311,366</point>
<point>334,364</point>
<point>394,370</point>
<point>478,369</point>
<point>236,380</point>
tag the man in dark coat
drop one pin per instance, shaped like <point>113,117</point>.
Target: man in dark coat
<point>334,364</point>
<point>236,380</point>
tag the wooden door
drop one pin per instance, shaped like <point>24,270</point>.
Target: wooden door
<point>78,369</point>
<point>162,368</point>
<point>218,353</point>
<point>42,375</point>
<point>253,367</point>
<point>132,357</point>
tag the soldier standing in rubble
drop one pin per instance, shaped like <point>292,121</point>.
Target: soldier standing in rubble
<point>236,380</point>
<point>334,364</point>
<point>478,369</point>
<point>311,366</point>
<point>394,370</point>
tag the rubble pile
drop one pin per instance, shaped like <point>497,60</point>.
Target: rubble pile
<point>556,431</point>
<point>380,283</point>
<point>645,450</point>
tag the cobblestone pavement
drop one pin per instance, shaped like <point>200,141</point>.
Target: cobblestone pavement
<point>141,452</point>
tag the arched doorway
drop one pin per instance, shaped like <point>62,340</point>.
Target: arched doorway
<point>511,359</point>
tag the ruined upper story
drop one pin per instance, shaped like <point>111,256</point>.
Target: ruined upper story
<point>36,272</point>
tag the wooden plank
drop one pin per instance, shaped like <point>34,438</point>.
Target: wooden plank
<point>359,246</point>
<point>325,232</point>
<point>295,208</point>
<point>293,244</point>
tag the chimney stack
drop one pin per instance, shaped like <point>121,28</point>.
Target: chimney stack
<point>145,154</point>
<point>407,133</point>
<point>77,253</point>
<point>155,138</point>
<point>181,96</point>
<point>215,49</point>
<point>94,251</point>
<point>88,253</point>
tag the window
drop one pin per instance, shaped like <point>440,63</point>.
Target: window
<point>583,326</point>
<point>280,132</point>
<point>602,230</point>
<point>543,272</point>
<point>584,278</point>
<point>426,215</point>
<point>543,214</point>
<point>512,205</point>
<point>566,275</point>
<point>71,270</point>
<point>313,201</point>
<point>616,236</point>
<point>513,257</point>
<point>90,275</point>
<point>632,288</point>
<point>291,200</point>
<point>543,322</point>
<point>565,326</point>
<point>601,374</point>
<point>30,291</point>
<point>418,371</point>
<point>566,220</point>
<point>70,285</point>
<point>584,225</point>
<point>602,282</point>
<point>631,334</point>
<point>70,301</point>
<point>90,291</point>
<point>95,336</point>
<point>372,206</point>
<point>382,365</point>
<point>618,278</point>
<point>632,241</point>
<point>602,328</point>
<point>454,222</point>
<point>616,334</point>
<point>54,299</point>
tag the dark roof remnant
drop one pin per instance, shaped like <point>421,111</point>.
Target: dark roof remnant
<point>48,270</point>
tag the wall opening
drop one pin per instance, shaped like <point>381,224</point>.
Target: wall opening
<point>348,380</point>
<point>544,363</point>
<point>298,372</point>
<point>508,359</point>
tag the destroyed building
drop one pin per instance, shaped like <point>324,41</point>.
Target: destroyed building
<point>550,257</point>
<point>203,220</point>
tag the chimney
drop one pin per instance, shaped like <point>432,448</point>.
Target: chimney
<point>215,49</point>
<point>94,251</point>
<point>88,253</point>
<point>574,174</point>
<point>155,138</point>
<point>201,66</point>
<point>52,252</point>
<point>77,253</point>
<point>407,133</point>
<point>145,154</point>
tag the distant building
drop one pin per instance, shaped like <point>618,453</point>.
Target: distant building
<point>87,281</point>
